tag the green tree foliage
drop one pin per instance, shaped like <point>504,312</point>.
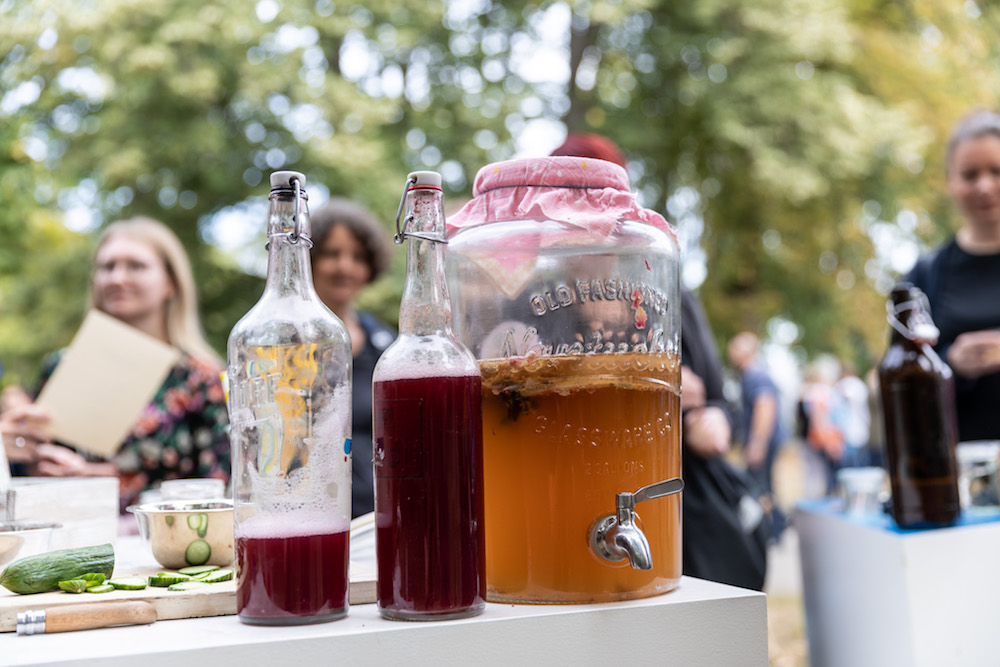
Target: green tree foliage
<point>787,138</point>
<point>175,110</point>
<point>794,129</point>
<point>42,300</point>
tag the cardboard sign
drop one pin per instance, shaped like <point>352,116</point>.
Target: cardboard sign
<point>110,372</point>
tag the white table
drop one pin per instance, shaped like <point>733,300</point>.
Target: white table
<point>877,595</point>
<point>700,623</point>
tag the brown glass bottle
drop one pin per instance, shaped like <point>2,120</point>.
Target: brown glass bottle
<point>918,409</point>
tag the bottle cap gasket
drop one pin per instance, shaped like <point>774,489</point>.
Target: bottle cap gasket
<point>283,179</point>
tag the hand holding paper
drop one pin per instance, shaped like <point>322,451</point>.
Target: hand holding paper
<point>109,373</point>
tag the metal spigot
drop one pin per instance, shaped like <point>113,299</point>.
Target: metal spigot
<point>616,537</point>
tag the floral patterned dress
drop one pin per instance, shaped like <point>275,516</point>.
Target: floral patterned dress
<point>183,432</point>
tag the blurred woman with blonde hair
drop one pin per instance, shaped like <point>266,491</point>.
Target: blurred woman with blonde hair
<point>142,277</point>
<point>177,323</point>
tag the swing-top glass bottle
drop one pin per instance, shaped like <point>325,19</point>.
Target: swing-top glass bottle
<point>428,438</point>
<point>290,414</point>
<point>918,408</point>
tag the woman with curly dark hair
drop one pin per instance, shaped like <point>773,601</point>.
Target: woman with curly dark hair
<point>350,250</point>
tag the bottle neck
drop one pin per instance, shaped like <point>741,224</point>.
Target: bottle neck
<point>898,337</point>
<point>425,307</point>
<point>289,271</point>
<point>910,329</point>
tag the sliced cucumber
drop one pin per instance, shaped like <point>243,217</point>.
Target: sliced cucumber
<point>128,583</point>
<point>74,585</point>
<point>217,576</point>
<point>197,569</point>
<point>102,588</point>
<point>164,579</point>
<point>93,578</point>
<point>186,585</point>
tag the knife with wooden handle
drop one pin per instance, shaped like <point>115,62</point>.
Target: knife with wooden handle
<point>85,616</point>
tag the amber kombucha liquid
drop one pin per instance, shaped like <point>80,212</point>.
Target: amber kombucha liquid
<point>562,436</point>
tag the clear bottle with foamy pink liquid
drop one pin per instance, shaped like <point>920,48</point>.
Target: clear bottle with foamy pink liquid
<point>428,440</point>
<point>289,376</point>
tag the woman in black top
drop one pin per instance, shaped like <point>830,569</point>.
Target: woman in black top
<point>962,278</point>
<point>350,250</point>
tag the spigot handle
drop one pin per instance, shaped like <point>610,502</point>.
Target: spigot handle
<point>656,490</point>
<point>616,537</point>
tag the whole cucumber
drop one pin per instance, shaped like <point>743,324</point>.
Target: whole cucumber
<point>41,573</point>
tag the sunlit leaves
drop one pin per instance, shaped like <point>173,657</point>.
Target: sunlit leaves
<point>786,119</point>
<point>787,116</point>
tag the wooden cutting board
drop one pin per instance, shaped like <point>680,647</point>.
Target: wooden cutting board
<point>212,600</point>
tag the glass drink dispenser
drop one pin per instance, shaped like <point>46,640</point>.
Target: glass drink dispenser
<point>567,292</point>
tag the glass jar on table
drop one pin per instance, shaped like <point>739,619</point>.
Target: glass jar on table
<point>567,292</point>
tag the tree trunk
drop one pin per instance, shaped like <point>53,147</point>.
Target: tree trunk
<point>579,100</point>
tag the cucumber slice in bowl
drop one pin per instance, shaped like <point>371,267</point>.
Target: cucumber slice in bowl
<point>198,552</point>
<point>198,523</point>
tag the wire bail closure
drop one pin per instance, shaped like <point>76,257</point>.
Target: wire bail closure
<point>401,230</point>
<point>296,234</point>
<point>922,331</point>
<point>297,218</point>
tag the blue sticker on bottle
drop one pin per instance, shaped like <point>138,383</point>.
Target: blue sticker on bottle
<point>347,446</point>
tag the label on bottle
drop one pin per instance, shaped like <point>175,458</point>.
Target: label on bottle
<point>277,391</point>
<point>287,405</point>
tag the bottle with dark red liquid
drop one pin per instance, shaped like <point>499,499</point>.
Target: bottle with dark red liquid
<point>428,440</point>
<point>918,408</point>
<point>289,378</point>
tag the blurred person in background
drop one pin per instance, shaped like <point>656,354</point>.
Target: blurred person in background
<point>962,278</point>
<point>821,414</point>
<point>350,250</point>
<point>763,433</point>
<point>876,431</point>
<point>727,520</point>
<point>142,277</point>
<point>588,144</point>
<point>857,417</point>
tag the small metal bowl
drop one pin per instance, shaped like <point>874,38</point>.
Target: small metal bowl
<point>187,532</point>
<point>20,539</point>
